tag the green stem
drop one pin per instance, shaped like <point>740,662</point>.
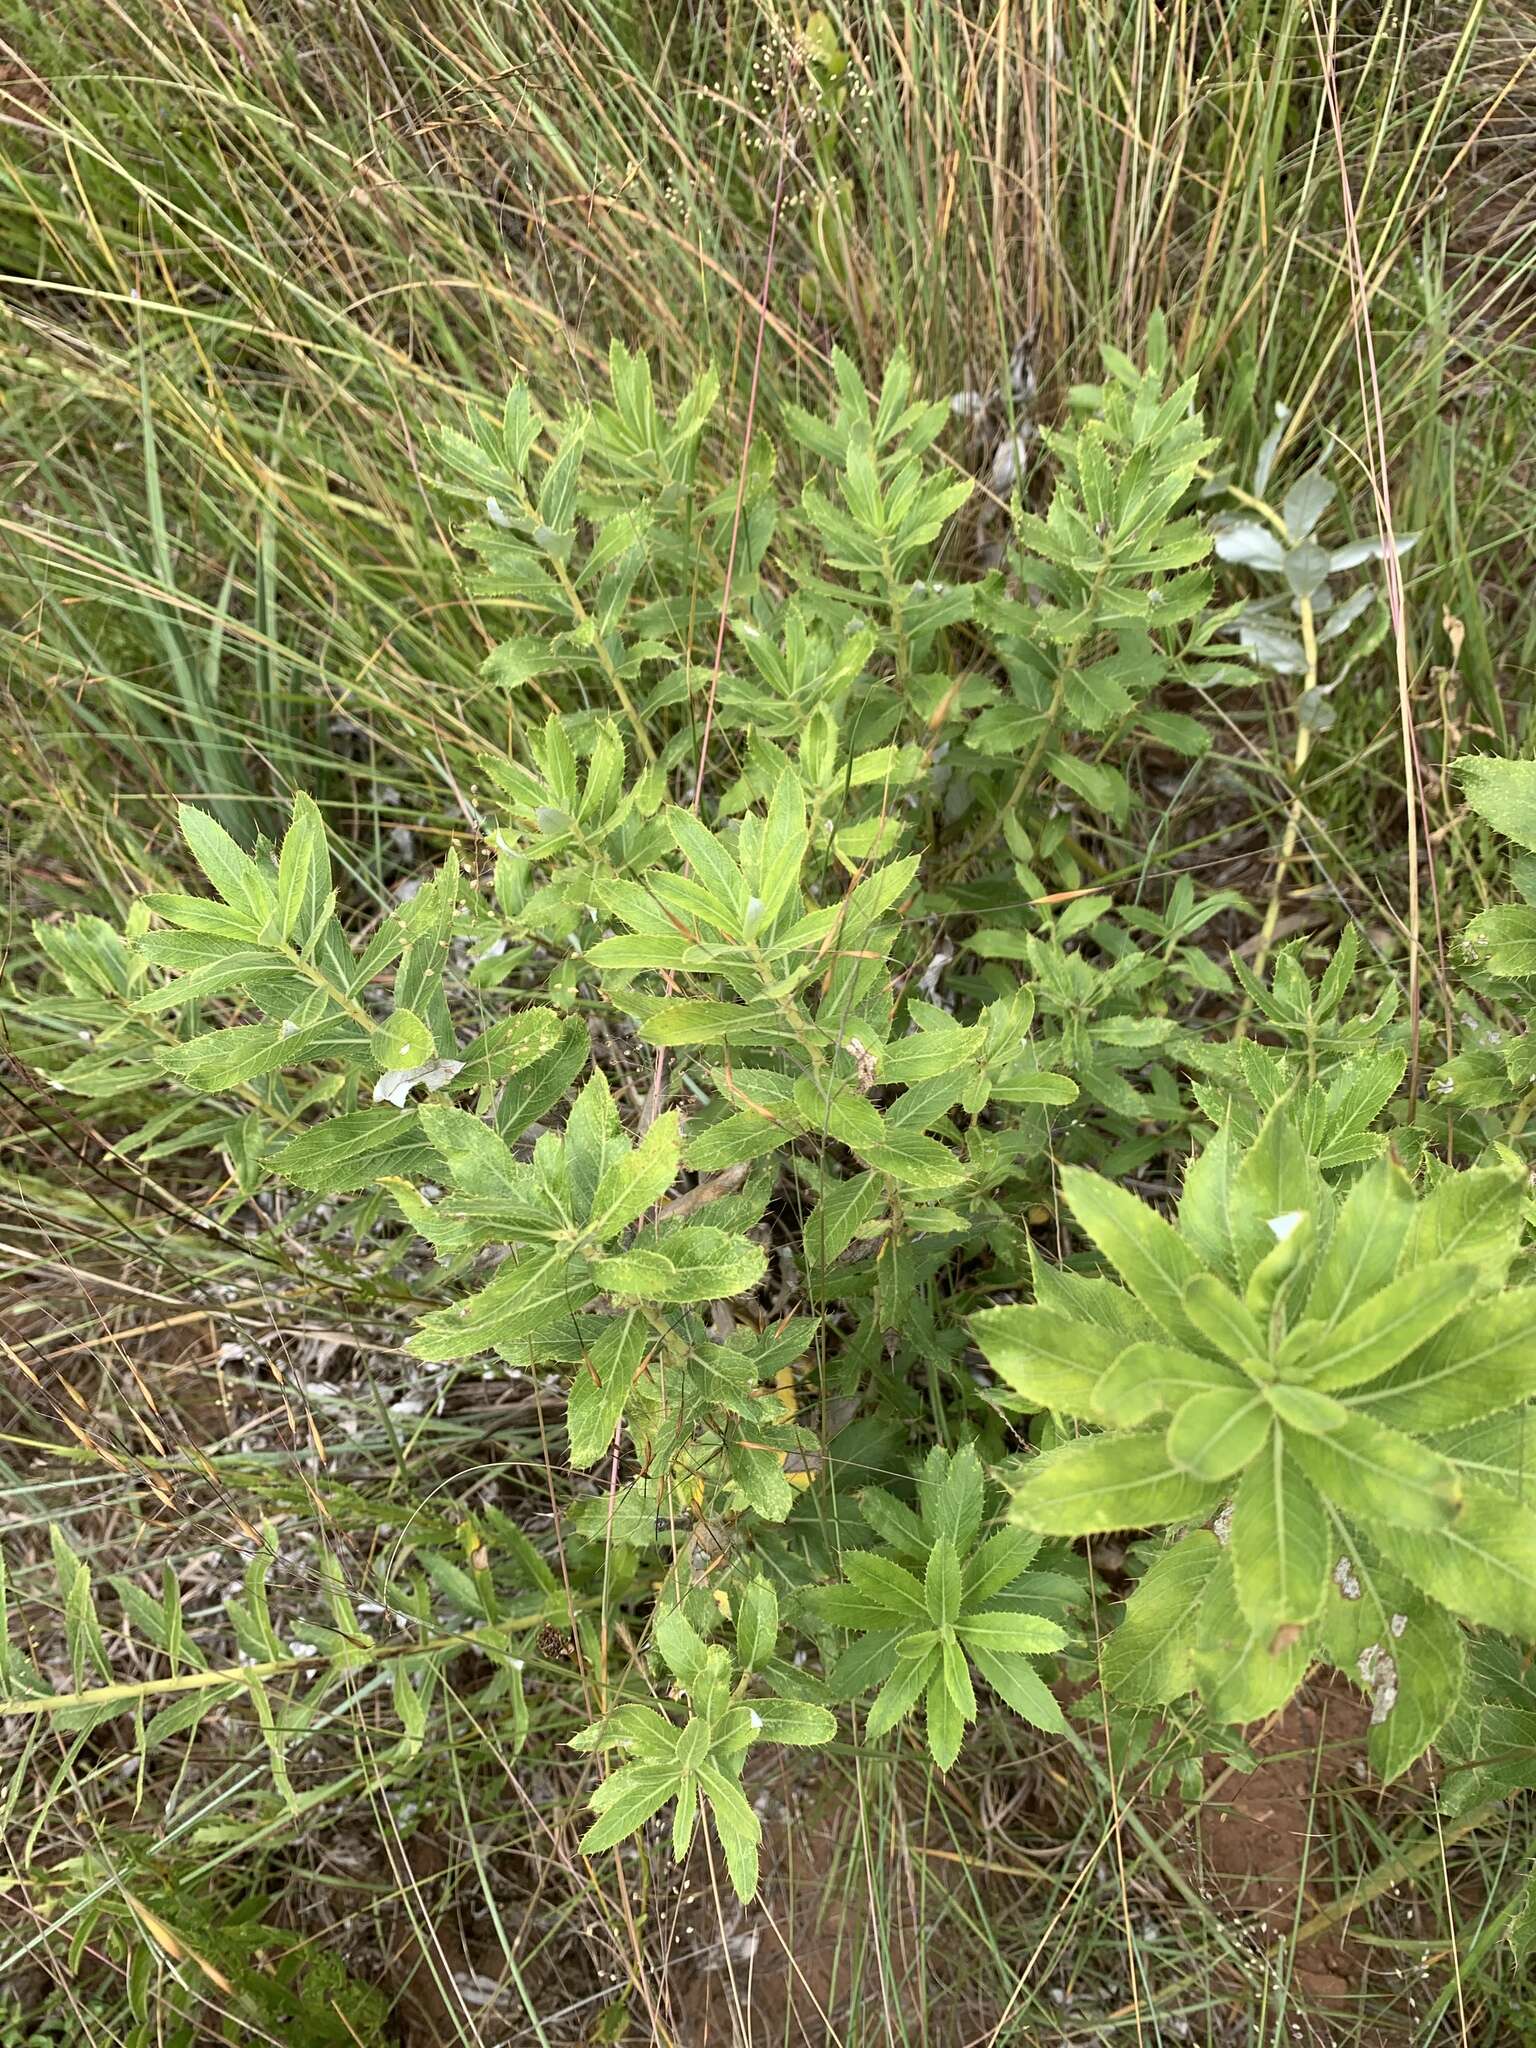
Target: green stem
<point>1293,819</point>
<point>128,1694</point>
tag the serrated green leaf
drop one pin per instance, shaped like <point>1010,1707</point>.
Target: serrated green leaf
<point>533,1090</point>
<point>957,1679</point>
<point>1371,1471</point>
<point>1227,1324</point>
<point>240,882</point>
<point>509,1046</point>
<point>402,1040</point>
<point>703,1022</point>
<point>1149,1658</point>
<point>303,876</point>
<point>1020,1687</point>
<point>640,1790</point>
<point>1275,1178</point>
<point>1503,792</point>
<point>1473,1218</point>
<point>1477,1365</point>
<point>909,1678</point>
<point>1387,1326</point>
<point>945,1720</point>
<point>527,1295</point>
<point>842,1213</point>
<point>1367,1243</point>
<point>1157,1379</point>
<point>1151,1258</point>
<point>737,1826</point>
<point>799,1723</point>
<point>950,1490</point>
<point>941,1584</point>
<point>1122,1481</point>
<point>1503,941</point>
<point>886,1585</point>
<point>1011,1634</point>
<point>244,1052</point>
<point>1242,1673</point>
<point>1004,1557</point>
<point>694,1262</point>
<point>1215,1434</point>
<point>636,1181</point>
<point>1206,1205</point>
<point>1481,1565</point>
<point>1305,1409</point>
<point>355,1150</point>
<point>601,1387</point>
<point>1279,1542</point>
<point>757,1624</point>
<point>1045,1356</point>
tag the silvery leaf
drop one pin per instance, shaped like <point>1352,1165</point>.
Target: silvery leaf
<point>1276,650</point>
<point>1009,459</point>
<point>1305,503</point>
<point>1271,443</point>
<point>1306,567</point>
<point>1344,615</point>
<point>1315,710</point>
<point>1354,552</point>
<point>1248,544</point>
<point>968,405</point>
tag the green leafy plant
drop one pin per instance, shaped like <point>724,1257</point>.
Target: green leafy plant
<point>939,1602</point>
<point>698,1766</point>
<point>727,1096</point>
<point>1288,630</point>
<point>1108,599</point>
<point>1323,1376</point>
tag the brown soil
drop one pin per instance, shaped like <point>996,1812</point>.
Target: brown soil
<point>788,1966</point>
<point>1258,1849</point>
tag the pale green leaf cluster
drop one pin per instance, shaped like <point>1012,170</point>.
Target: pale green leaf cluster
<point>697,1767</point>
<point>940,1602</point>
<point>1294,1366</point>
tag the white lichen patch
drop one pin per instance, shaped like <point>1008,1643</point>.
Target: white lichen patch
<point>1378,1674</point>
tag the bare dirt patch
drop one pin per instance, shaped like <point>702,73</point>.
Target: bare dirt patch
<point>1258,1849</point>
